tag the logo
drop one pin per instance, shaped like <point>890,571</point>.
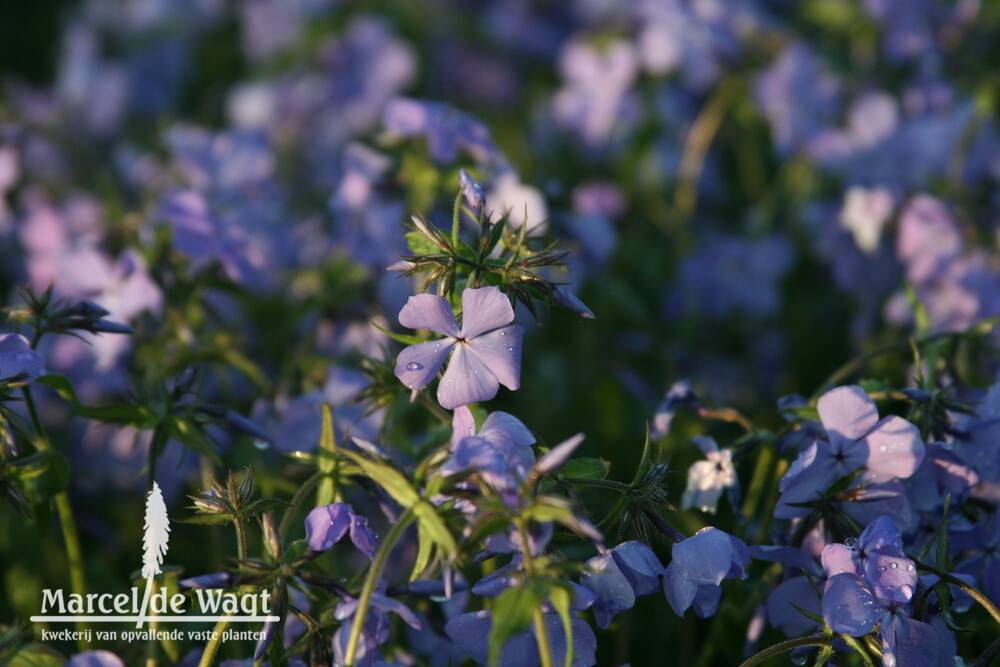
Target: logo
<point>212,604</point>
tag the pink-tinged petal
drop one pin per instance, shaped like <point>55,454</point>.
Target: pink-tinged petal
<point>326,525</point>
<point>558,455</point>
<point>431,312</point>
<point>839,559</point>
<point>467,380</point>
<point>895,448</point>
<point>500,351</point>
<point>463,425</point>
<point>502,427</point>
<point>847,412</point>
<point>484,309</point>
<point>417,365</point>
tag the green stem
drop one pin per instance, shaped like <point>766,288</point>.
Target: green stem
<point>541,632</point>
<point>241,539</point>
<point>297,500</point>
<point>778,649</point>
<point>74,554</point>
<point>455,221</point>
<point>973,592</point>
<point>212,647</point>
<point>982,328</point>
<point>364,601</point>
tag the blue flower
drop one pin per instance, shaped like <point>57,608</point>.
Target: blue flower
<point>618,576</point>
<point>700,564</point>
<point>327,525</point>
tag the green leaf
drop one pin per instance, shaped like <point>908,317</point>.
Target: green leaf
<point>37,655</point>
<point>205,519</point>
<point>262,505</point>
<point>425,547</point>
<point>390,479</point>
<point>400,338</point>
<point>327,491</point>
<point>561,597</point>
<point>420,244</point>
<point>135,415</point>
<point>802,412</point>
<point>191,435</point>
<point>62,386</point>
<point>434,526</point>
<point>512,613</point>
<point>53,478</point>
<point>586,468</point>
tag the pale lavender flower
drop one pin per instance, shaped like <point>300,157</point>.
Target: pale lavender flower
<point>706,480</point>
<point>888,449</point>
<point>487,347</point>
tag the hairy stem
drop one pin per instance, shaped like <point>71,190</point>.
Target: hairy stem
<point>364,600</point>
<point>780,648</point>
<point>212,647</point>
<point>973,592</point>
<point>74,554</point>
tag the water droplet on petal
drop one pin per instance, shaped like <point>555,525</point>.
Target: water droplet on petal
<point>893,565</point>
<point>909,568</point>
<point>850,542</point>
<point>503,333</point>
<point>414,366</point>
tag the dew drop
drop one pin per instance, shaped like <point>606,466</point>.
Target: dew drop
<point>799,657</point>
<point>888,660</point>
<point>503,333</point>
<point>909,568</point>
<point>883,448</point>
<point>414,366</point>
<point>893,565</point>
<point>261,445</point>
<point>881,568</point>
<point>850,542</point>
<point>465,374</point>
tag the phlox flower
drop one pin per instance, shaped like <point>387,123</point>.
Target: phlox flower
<point>17,358</point>
<point>888,449</point>
<point>487,346</point>
<point>618,576</point>
<point>327,525</point>
<point>700,564</point>
<point>376,626</point>
<point>707,480</point>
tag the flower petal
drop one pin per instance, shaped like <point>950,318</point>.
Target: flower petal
<point>849,606</point>
<point>502,426</point>
<point>500,350</point>
<point>417,364</point>
<point>431,312</point>
<point>839,559</point>
<point>847,412</point>
<point>891,577</point>
<point>463,425</point>
<point>895,448</point>
<point>484,309</point>
<point>327,525</point>
<point>466,380</point>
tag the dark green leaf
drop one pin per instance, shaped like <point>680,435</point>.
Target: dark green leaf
<point>586,468</point>
<point>62,386</point>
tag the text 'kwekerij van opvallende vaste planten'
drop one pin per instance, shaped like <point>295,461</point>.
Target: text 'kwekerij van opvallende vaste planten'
<point>508,333</point>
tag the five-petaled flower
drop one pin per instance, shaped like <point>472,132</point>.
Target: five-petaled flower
<point>487,346</point>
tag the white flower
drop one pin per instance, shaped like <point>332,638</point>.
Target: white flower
<point>708,479</point>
